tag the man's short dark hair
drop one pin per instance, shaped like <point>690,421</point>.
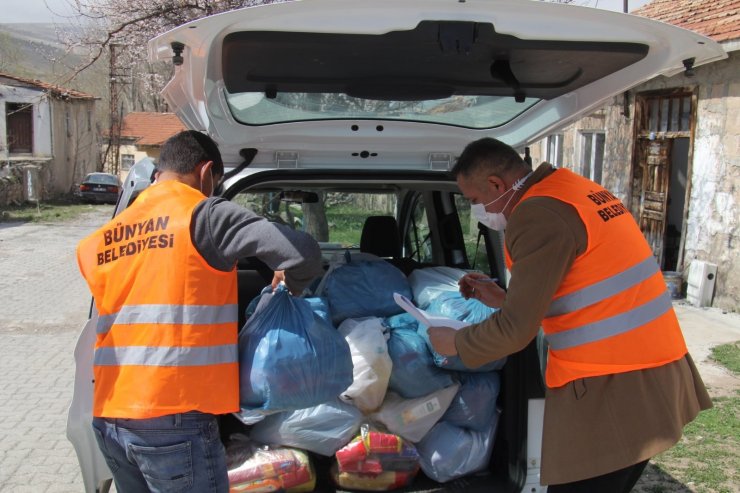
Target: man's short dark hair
<point>487,155</point>
<point>184,151</point>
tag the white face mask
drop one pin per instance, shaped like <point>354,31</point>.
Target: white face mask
<point>496,220</point>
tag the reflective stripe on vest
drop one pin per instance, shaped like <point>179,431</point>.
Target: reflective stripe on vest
<point>166,338</point>
<point>613,326</point>
<point>603,289</point>
<point>165,356</point>
<point>611,312</point>
<point>169,314</point>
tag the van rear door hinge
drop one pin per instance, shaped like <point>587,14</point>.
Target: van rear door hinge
<point>440,161</point>
<point>286,159</point>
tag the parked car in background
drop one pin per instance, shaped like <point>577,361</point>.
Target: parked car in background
<point>339,116</point>
<point>100,188</point>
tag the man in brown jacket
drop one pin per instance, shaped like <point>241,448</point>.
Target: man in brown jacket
<point>607,414</point>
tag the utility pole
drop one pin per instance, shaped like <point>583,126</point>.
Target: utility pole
<point>114,132</point>
<point>116,78</point>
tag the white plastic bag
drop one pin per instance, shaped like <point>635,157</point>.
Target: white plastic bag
<point>371,361</point>
<point>413,418</point>
<point>429,282</point>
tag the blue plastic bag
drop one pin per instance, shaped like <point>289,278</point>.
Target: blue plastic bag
<point>453,305</point>
<point>474,405</point>
<point>364,288</point>
<point>319,305</point>
<point>414,373</point>
<point>289,357</point>
<point>322,429</point>
<point>448,452</point>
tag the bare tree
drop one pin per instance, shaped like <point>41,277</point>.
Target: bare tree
<point>129,25</point>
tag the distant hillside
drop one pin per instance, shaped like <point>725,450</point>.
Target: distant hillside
<point>34,51</point>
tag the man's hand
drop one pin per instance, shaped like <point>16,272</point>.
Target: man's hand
<point>277,278</point>
<point>443,340</point>
<point>482,288</point>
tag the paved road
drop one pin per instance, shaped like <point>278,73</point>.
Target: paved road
<point>43,305</point>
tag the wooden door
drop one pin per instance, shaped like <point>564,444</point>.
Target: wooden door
<point>20,127</point>
<point>654,161</point>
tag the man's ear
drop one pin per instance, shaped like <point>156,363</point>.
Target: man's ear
<point>496,183</point>
<point>204,169</point>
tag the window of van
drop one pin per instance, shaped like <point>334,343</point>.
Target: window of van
<point>334,219</point>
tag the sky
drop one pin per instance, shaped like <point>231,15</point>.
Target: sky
<point>50,10</point>
<point>33,11</point>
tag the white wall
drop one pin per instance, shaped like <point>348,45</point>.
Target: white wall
<point>42,146</point>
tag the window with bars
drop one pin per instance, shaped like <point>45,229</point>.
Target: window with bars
<point>669,113</point>
<point>592,155</point>
<point>127,160</point>
<point>554,152</point>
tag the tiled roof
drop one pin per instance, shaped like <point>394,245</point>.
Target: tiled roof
<point>150,128</point>
<point>54,90</point>
<point>717,19</point>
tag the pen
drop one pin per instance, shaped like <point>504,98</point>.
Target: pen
<point>494,279</point>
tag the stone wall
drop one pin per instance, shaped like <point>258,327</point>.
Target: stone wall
<point>713,226</point>
<point>11,185</point>
<point>713,229</point>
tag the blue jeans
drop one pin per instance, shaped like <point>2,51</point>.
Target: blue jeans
<point>174,453</point>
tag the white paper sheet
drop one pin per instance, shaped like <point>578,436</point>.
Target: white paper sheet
<point>427,318</point>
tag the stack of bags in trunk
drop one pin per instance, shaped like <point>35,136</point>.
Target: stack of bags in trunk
<point>344,374</point>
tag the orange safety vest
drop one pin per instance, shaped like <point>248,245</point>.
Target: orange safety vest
<point>612,312</point>
<point>167,321</point>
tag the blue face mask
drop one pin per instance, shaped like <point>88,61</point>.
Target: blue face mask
<point>496,220</point>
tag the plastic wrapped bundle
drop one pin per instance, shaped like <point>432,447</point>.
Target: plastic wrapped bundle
<point>375,461</point>
<point>449,452</point>
<point>363,287</point>
<point>290,358</point>
<point>385,481</point>
<point>429,282</point>
<point>371,363</point>
<point>322,429</point>
<point>259,469</point>
<point>413,418</point>
<point>414,373</point>
<point>474,406</point>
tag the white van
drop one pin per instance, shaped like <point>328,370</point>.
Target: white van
<point>320,103</point>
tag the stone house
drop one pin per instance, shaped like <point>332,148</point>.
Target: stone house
<point>48,139</point>
<point>670,150</point>
<point>142,135</point>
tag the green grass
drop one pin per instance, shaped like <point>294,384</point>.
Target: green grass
<point>728,355</point>
<point>346,222</point>
<point>707,454</point>
<point>61,209</point>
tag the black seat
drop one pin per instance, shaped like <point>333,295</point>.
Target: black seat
<point>381,237</point>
